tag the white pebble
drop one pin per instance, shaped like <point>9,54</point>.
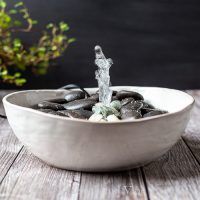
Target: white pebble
<point>96,118</point>
<point>112,118</point>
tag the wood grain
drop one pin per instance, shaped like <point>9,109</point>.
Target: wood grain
<point>192,133</point>
<point>174,176</point>
<point>9,148</point>
<point>30,178</point>
<point>123,185</point>
<point>9,144</point>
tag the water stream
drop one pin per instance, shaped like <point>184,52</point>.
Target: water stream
<point>102,76</point>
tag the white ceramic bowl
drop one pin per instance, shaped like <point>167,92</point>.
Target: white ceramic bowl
<point>90,146</point>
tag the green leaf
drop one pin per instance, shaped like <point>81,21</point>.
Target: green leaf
<point>7,49</point>
<point>17,23</point>
<point>17,43</point>
<point>19,4</point>
<point>13,11</point>
<point>71,40</point>
<point>34,22</point>
<point>17,75</point>
<point>4,72</point>
<point>32,49</point>
<point>5,20</point>
<point>49,26</point>
<point>60,38</point>
<point>54,48</point>
<point>20,81</point>
<point>63,26</point>
<point>2,4</point>
<point>42,49</point>
<point>19,56</point>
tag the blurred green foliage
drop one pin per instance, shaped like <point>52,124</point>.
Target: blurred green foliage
<point>15,57</point>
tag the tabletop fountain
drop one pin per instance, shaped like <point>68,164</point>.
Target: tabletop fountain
<point>99,129</point>
<point>103,106</point>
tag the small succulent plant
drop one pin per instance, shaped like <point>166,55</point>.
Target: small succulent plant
<point>105,111</point>
<point>15,57</point>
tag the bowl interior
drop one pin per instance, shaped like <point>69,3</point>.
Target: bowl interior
<point>162,98</point>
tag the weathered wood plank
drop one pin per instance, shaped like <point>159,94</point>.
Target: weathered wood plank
<point>192,133</point>
<point>174,176</point>
<point>9,145</point>
<point>9,148</point>
<point>30,178</point>
<point>113,186</point>
<point>41,181</point>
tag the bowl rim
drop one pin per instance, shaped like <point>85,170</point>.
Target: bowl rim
<point>5,101</point>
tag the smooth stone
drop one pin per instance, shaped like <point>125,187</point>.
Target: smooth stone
<point>137,105</point>
<point>134,105</point>
<point>148,105</point>
<point>80,114</point>
<point>44,110</point>
<point>127,101</point>
<point>78,104</point>
<point>50,105</point>
<point>154,113</point>
<point>74,95</point>
<point>146,110</point>
<point>127,113</point>
<point>94,96</point>
<point>114,93</point>
<point>114,98</point>
<point>57,113</point>
<point>126,94</point>
<point>59,101</point>
<point>35,107</point>
<point>49,111</point>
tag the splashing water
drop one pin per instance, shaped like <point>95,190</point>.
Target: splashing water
<point>102,76</point>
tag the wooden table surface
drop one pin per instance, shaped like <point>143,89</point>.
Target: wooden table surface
<point>176,175</point>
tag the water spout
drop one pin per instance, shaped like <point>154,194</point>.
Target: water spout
<point>102,76</point>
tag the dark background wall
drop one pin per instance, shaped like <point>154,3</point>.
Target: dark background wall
<point>152,42</point>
